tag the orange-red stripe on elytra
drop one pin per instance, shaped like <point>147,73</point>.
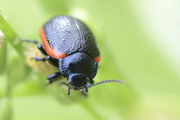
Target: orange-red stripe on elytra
<point>50,51</point>
<point>97,59</point>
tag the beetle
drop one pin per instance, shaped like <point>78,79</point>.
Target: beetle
<point>69,45</point>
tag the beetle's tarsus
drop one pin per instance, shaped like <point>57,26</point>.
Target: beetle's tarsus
<point>31,41</point>
<point>39,59</point>
<point>68,91</point>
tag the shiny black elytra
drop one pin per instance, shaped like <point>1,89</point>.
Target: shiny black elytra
<point>70,45</point>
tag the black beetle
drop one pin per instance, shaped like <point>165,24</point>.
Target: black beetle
<point>70,45</point>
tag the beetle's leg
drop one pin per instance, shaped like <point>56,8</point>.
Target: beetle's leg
<point>86,89</point>
<point>49,59</point>
<point>39,59</point>
<point>53,77</point>
<point>63,83</point>
<point>69,87</point>
<point>52,61</point>
<point>31,41</point>
<point>39,46</point>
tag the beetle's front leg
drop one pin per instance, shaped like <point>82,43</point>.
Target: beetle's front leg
<point>49,59</point>
<point>53,77</point>
<point>52,61</point>
<point>39,59</point>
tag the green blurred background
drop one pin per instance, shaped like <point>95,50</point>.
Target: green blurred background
<point>138,41</point>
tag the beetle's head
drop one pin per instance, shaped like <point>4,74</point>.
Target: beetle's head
<point>77,81</point>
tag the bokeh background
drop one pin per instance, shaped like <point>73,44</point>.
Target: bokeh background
<point>139,42</point>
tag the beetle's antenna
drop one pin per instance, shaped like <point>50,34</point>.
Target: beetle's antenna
<point>69,87</point>
<point>105,81</point>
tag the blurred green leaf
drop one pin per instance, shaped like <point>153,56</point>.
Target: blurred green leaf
<point>16,70</point>
<point>2,53</point>
<point>54,7</point>
<point>5,109</point>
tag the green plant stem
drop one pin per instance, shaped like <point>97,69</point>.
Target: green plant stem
<point>9,97</point>
<point>8,88</point>
<point>10,34</point>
